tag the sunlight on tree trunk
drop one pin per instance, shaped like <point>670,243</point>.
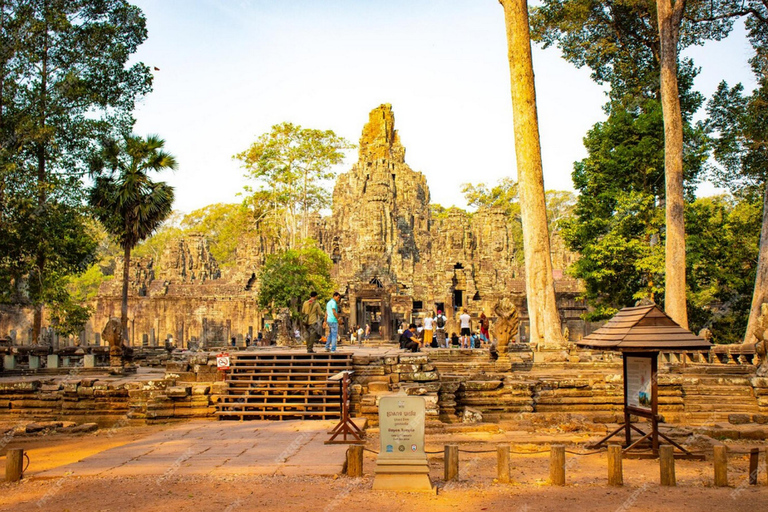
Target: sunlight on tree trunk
<point>670,15</point>
<point>761,279</point>
<point>539,283</point>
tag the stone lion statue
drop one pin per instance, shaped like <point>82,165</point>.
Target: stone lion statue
<point>118,351</point>
<point>506,325</point>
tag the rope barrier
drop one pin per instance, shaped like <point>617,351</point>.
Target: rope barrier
<point>26,456</point>
<point>533,452</point>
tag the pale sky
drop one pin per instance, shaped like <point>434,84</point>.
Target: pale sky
<point>230,69</point>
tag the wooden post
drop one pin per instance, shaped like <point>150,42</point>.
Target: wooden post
<point>667,465</point>
<point>502,458</point>
<point>451,462</point>
<point>615,470</point>
<point>754,455</point>
<point>557,465</point>
<point>355,461</point>
<point>721,466</point>
<point>14,464</point>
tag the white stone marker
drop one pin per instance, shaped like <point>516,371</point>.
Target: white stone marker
<point>402,463</point>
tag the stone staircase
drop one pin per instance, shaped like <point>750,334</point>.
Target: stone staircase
<point>283,385</point>
<point>712,397</point>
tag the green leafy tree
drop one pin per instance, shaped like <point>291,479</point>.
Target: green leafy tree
<point>618,223</point>
<point>287,278</point>
<point>291,166</point>
<point>722,241</point>
<point>65,83</point>
<point>127,202</point>
<point>225,225</point>
<point>632,45</point>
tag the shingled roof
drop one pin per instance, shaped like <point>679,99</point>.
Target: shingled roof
<point>643,328</point>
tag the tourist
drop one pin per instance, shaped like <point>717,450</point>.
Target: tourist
<point>439,326</point>
<point>234,342</point>
<point>465,321</point>
<point>260,338</point>
<point>332,319</point>
<point>408,339</point>
<point>484,325</point>
<point>312,316</point>
<point>360,334</point>
<point>248,340</point>
<point>367,331</point>
<point>428,329</point>
<point>454,340</point>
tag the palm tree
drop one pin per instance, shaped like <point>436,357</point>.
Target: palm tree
<point>126,201</point>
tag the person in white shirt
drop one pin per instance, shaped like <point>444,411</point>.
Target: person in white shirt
<point>465,320</point>
<point>428,330</point>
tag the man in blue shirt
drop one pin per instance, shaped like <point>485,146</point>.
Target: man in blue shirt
<point>332,318</point>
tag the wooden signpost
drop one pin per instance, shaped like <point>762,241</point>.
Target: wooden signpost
<point>640,333</point>
<point>641,399</point>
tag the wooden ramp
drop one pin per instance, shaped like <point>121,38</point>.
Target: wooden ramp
<point>283,385</point>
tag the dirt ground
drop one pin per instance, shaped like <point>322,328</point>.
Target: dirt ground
<point>476,489</point>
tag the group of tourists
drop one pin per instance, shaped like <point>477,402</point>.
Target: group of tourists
<point>322,325</point>
<point>433,333</point>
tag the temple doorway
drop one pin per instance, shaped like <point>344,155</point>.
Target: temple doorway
<point>369,313</point>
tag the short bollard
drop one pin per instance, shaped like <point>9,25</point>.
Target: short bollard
<point>355,461</point>
<point>615,469</point>
<point>557,465</point>
<point>502,459</point>
<point>667,465</point>
<point>721,466</point>
<point>754,456</point>
<point>451,462</point>
<point>14,464</point>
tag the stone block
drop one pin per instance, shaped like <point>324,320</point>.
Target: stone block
<point>52,361</point>
<point>201,389</point>
<point>9,362</point>
<point>406,368</point>
<point>761,419</point>
<point>81,429</point>
<point>84,391</point>
<point>418,376</point>
<point>34,362</point>
<point>176,366</point>
<point>470,415</point>
<point>378,387</point>
<point>481,385</point>
<point>421,389</point>
<point>739,419</point>
<point>413,359</point>
<point>178,391</point>
<point>89,361</point>
<point>754,434</point>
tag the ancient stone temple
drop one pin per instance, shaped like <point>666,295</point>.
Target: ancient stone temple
<point>395,262</point>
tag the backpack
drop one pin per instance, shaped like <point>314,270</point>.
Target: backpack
<point>441,321</point>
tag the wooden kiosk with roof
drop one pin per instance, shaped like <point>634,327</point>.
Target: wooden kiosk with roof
<point>640,333</point>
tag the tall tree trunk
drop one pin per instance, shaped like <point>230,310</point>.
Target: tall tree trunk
<point>40,258</point>
<point>539,283</point>
<point>124,303</point>
<point>761,280</point>
<point>670,13</point>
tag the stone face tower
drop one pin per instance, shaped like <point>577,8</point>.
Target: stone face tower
<point>380,223</point>
<point>379,232</point>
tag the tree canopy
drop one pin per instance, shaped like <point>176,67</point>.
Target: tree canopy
<point>291,166</point>
<point>287,278</point>
<point>65,85</point>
